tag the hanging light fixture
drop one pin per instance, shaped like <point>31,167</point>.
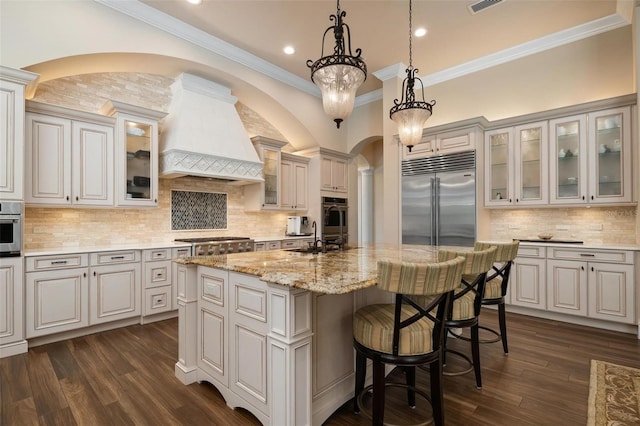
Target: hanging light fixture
<point>338,76</point>
<point>408,113</point>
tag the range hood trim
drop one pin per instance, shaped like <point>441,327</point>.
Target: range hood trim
<point>177,163</point>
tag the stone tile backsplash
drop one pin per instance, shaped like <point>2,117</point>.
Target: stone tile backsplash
<point>53,228</point>
<point>595,225</point>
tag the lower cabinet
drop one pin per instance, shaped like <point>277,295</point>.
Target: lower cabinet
<point>157,281</point>
<point>11,304</point>
<point>527,285</point>
<point>57,294</point>
<point>114,288</point>
<point>176,253</point>
<point>592,283</point>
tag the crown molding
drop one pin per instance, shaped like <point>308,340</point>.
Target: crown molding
<point>171,25</point>
<point>180,29</point>
<point>532,47</point>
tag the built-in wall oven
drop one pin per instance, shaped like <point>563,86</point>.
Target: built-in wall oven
<point>10,229</point>
<point>335,219</point>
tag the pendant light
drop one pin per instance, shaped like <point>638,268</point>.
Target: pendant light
<point>410,114</point>
<point>338,76</point>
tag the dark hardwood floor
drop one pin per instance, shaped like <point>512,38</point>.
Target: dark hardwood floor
<point>126,377</point>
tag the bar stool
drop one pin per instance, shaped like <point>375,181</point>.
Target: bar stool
<point>496,287</point>
<point>405,333</point>
<point>466,303</point>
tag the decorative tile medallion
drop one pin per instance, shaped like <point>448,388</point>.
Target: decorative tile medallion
<point>192,210</point>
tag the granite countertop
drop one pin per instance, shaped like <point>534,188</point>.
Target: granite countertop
<point>336,272</point>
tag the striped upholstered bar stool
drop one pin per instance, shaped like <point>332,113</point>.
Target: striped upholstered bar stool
<point>497,284</point>
<point>467,301</point>
<point>405,333</point>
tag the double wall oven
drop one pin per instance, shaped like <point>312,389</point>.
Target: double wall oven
<point>10,229</point>
<point>335,219</point>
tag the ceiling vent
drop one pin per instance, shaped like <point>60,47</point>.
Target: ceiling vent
<point>481,5</point>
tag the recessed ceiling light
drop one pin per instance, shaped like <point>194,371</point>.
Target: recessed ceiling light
<point>195,1</point>
<point>421,32</point>
<point>289,50</point>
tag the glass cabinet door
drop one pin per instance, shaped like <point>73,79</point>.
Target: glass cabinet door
<point>531,174</point>
<point>138,164</point>
<point>271,159</point>
<point>568,157</point>
<point>499,163</point>
<point>610,169</point>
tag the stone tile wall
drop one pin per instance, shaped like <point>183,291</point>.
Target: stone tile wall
<point>596,225</point>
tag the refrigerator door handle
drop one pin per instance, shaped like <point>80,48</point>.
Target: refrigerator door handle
<point>435,209</point>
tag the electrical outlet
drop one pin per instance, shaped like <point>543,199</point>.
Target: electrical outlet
<point>562,227</point>
<point>595,227</point>
<point>513,226</point>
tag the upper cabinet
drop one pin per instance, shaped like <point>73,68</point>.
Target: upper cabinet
<point>12,94</point>
<point>294,182</point>
<point>516,165</point>
<point>285,176</point>
<point>334,174</point>
<point>443,142</point>
<point>591,158</point>
<point>136,154</point>
<point>69,157</point>
<point>578,155</point>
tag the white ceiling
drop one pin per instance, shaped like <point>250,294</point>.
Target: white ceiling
<point>380,28</point>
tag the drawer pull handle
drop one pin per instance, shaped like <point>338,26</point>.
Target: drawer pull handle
<point>117,257</point>
<point>59,262</point>
<point>587,255</point>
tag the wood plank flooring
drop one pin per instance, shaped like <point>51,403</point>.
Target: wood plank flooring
<point>126,377</point>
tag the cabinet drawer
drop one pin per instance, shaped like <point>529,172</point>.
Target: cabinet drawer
<point>532,251</point>
<point>179,253</point>
<point>43,263</point>
<point>157,300</point>
<point>157,254</point>
<point>289,244</point>
<point>111,257</point>
<point>613,256</point>
<point>273,245</point>
<point>157,274</point>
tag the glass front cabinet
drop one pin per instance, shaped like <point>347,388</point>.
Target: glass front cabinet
<point>136,154</point>
<point>591,158</point>
<point>517,166</point>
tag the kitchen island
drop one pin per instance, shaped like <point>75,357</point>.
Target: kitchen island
<point>272,331</point>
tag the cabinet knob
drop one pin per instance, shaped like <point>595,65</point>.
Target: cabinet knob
<point>592,197</point>
<point>155,200</point>
<point>583,198</point>
<point>77,198</point>
<point>94,273</point>
<point>592,269</point>
<point>67,198</point>
<point>582,267</point>
<point>84,274</point>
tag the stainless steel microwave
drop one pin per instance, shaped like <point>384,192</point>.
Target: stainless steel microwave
<point>10,229</point>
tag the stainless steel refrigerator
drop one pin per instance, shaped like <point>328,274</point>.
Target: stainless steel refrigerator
<point>439,200</point>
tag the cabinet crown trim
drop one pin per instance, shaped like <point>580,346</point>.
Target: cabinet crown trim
<point>68,113</point>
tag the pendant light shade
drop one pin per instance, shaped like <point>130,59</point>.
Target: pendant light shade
<point>408,113</point>
<point>339,75</point>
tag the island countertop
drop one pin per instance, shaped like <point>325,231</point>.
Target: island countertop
<point>334,272</point>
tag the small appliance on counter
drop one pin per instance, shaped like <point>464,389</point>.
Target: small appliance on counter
<point>298,226</point>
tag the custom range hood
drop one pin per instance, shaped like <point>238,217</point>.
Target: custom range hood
<point>203,135</point>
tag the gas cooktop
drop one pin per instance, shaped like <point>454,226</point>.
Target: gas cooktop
<point>210,239</point>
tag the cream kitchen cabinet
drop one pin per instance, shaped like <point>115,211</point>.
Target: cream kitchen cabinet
<point>57,293</point>
<point>266,195</point>
<point>136,153</point>
<point>595,283</point>
<point>12,336</point>
<point>267,245</point>
<point>442,143</point>
<point>294,182</point>
<point>334,174</point>
<point>114,287</point>
<point>157,286</point>
<point>527,281</point>
<point>591,158</point>
<point>12,123</point>
<point>516,166</point>
<point>69,161</point>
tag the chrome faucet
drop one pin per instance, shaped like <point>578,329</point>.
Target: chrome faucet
<point>340,240</point>
<point>315,238</point>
